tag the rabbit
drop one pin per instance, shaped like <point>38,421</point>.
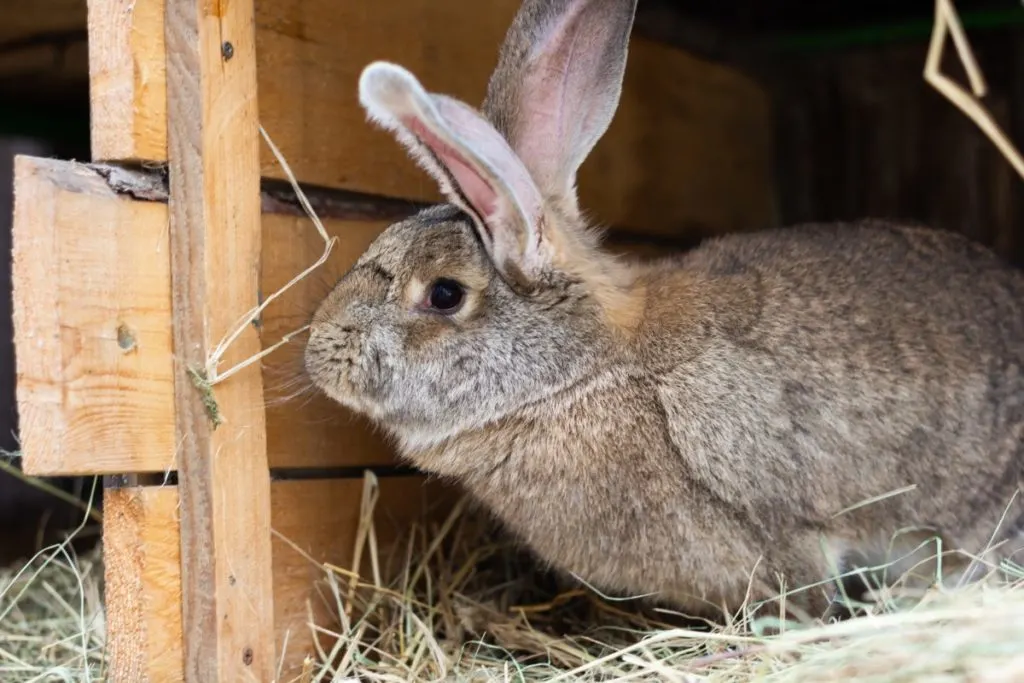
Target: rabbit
<point>761,413</point>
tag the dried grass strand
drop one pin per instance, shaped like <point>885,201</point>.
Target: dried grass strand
<point>947,22</point>
<point>213,373</point>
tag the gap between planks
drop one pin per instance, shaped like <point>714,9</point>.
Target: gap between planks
<point>341,472</point>
<point>149,183</point>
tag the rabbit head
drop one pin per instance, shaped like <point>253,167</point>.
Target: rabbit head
<point>473,308</point>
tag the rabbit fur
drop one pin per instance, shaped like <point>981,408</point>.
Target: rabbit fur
<point>759,413</point>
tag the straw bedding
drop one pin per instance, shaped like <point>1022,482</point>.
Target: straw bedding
<point>467,605</point>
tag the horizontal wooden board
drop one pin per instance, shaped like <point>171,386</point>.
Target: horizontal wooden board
<point>688,152</point>
<point>304,428</point>
<point>319,519</point>
<point>91,278</point>
<point>689,149</point>
<point>92,315</point>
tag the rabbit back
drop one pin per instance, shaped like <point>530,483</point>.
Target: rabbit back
<point>825,366</point>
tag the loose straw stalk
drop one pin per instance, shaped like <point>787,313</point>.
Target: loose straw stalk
<point>947,22</point>
<point>213,375</point>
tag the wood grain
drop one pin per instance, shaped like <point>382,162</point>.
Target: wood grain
<point>687,155</point>
<point>214,208</point>
<point>319,519</point>
<point>689,152</point>
<point>89,405</point>
<point>142,575</point>
<point>857,144</point>
<point>127,79</point>
<point>91,308</point>
<point>304,428</point>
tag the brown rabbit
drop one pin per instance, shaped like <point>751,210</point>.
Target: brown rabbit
<point>761,412</point>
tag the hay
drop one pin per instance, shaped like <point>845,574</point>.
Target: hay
<point>467,606</point>
<point>52,621</point>
<point>52,624</point>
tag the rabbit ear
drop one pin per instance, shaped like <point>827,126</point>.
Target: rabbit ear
<point>557,85</point>
<point>472,163</point>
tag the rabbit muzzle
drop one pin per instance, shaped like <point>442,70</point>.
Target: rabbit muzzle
<point>348,353</point>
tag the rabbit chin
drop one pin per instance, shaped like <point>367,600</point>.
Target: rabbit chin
<point>384,408</point>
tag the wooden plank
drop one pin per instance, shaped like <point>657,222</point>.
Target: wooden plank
<point>89,405</point>
<point>127,79</point>
<point>688,150</point>
<point>142,572</point>
<point>319,518</point>
<point>688,153</point>
<point>91,308</point>
<point>308,79</point>
<point>214,209</point>
<point>304,428</point>
<point>847,154</point>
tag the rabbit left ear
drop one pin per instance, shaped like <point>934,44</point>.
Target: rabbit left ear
<point>471,162</point>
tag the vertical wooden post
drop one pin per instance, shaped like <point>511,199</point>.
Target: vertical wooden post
<point>224,486</point>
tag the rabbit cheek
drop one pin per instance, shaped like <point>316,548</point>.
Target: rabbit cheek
<point>372,373</point>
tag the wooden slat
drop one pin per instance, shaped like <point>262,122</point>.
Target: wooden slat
<point>214,210</point>
<point>308,79</point>
<point>142,572</point>
<point>127,79</point>
<point>89,406</point>
<point>91,302</point>
<point>320,518</point>
<point>304,428</point>
<point>688,153</point>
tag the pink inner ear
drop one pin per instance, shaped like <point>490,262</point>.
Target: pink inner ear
<point>477,191</point>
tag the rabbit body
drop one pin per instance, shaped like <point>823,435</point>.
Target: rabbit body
<point>761,412</point>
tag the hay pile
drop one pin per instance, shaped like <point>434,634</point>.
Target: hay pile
<point>52,625</point>
<point>467,606</point>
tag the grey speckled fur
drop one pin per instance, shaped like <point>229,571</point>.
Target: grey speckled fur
<point>689,427</point>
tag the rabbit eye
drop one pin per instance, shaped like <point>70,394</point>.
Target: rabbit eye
<point>446,295</point>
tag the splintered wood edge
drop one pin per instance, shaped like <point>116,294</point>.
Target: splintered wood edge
<point>318,519</point>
